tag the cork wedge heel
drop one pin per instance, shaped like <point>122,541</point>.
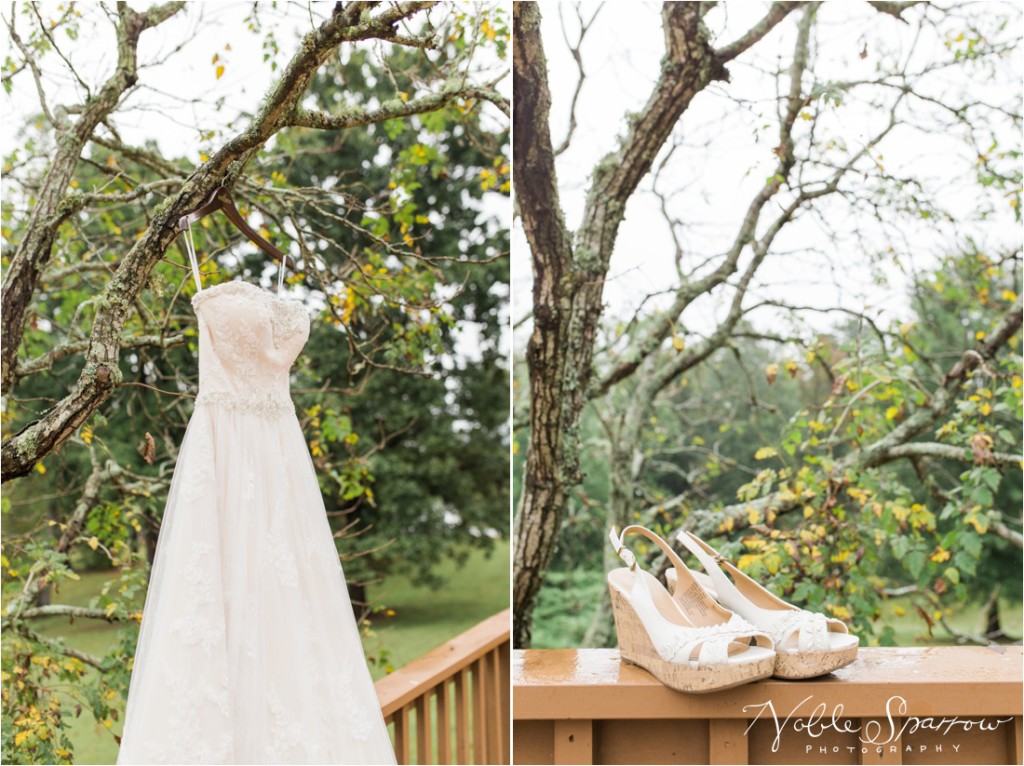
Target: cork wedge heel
<point>807,644</point>
<point>697,646</point>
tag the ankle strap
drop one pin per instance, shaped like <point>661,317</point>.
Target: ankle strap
<point>627,555</point>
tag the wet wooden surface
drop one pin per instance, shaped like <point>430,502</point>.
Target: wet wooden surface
<point>551,684</point>
<point>587,706</point>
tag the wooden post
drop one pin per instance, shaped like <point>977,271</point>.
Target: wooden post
<point>574,742</point>
<point>1014,733</point>
<point>886,755</point>
<point>727,741</point>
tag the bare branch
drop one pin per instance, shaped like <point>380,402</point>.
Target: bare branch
<point>776,14</point>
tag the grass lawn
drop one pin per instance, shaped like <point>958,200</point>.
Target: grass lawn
<point>423,620</point>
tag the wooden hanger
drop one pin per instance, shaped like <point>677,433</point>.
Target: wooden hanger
<point>221,199</point>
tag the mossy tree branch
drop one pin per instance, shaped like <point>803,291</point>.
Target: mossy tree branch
<point>100,373</point>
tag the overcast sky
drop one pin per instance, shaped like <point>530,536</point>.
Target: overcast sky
<point>713,186</point>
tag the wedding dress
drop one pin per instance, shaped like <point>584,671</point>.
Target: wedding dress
<point>248,650</point>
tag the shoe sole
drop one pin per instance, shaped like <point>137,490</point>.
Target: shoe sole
<point>636,648</point>
<point>793,666</point>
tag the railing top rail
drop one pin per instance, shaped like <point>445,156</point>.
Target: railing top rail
<point>559,684</point>
<point>410,681</point>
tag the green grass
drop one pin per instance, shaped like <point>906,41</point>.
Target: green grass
<point>423,620</point>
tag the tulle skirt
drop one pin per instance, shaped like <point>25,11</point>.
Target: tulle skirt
<point>248,650</point>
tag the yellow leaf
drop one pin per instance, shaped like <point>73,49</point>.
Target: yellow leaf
<point>41,468</point>
<point>771,372</point>
<point>93,542</point>
<point>747,560</point>
<point>678,343</point>
<point>20,737</point>
<point>216,58</point>
<point>220,71</point>
<point>839,611</point>
<point>764,453</point>
<point>891,413</point>
<point>939,556</point>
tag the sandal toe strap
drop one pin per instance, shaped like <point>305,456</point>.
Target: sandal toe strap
<point>811,628</point>
<point>709,645</point>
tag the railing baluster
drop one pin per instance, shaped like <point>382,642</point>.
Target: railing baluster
<point>479,714</point>
<point>478,658</point>
<point>402,735</point>
<point>504,701</point>
<point>444,723</point>
<point>424,752</point>
<point>462,716</point>
<point>492,707</point>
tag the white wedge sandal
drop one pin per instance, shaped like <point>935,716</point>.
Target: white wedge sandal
<point>691,644</point>
<point>807,644</point>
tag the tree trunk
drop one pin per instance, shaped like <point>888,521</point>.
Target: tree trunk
<point>568,281</point>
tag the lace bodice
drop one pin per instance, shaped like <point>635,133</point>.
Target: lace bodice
<point>248,340</point>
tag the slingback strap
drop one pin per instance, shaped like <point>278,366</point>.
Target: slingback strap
<point>710,560</point>
<point>630,559</point>
<point>190,246</point>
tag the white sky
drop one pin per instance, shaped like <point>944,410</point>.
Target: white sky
<point>621,54</point>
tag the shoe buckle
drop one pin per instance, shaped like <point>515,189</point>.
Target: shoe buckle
<point>627,556</point>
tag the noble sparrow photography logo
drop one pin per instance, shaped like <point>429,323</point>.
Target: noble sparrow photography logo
<point>817,721</point>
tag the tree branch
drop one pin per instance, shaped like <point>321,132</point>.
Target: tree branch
<point>776,13</point>
<point>101,373</point>
<point>69,348</point>
<point>949,452</point>
<point>33,252</point>
<point>706,522</point>
<point>352,117</point>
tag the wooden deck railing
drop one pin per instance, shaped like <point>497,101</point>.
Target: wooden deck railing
<point>894,705</point>
<point>452,704</point>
